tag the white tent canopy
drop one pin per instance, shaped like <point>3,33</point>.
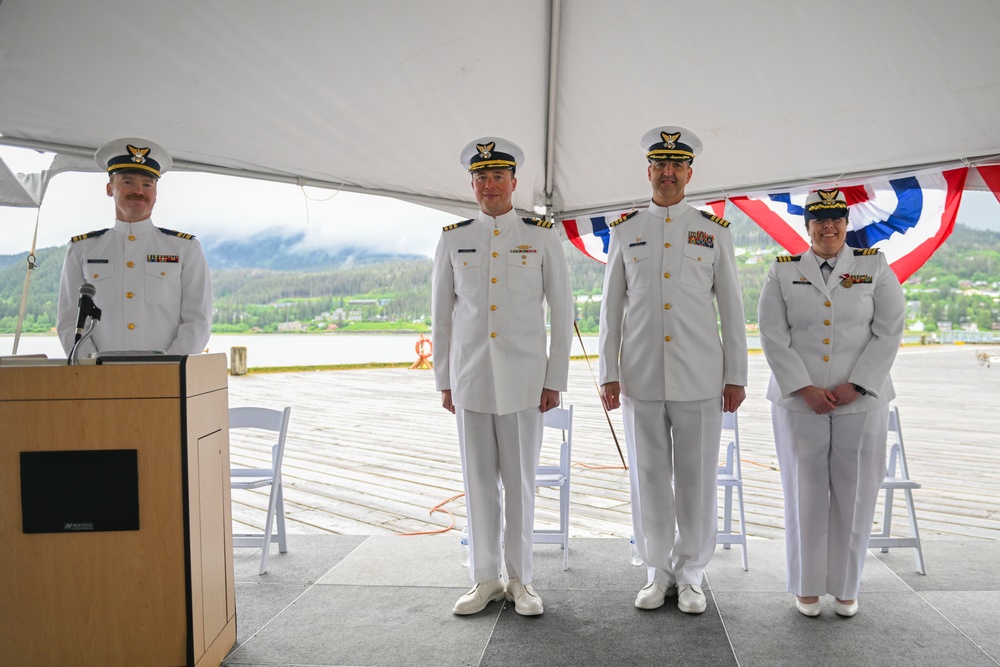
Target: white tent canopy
<point>379,96</point>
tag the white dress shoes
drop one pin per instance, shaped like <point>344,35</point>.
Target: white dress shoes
<point>691,599</point>
<point>807,608</point>
<point>525,599</point>
<point>846,610</point>
<point>653,595</point>
<point>481,595</point>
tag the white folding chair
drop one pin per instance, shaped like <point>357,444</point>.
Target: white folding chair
<point>892,483</point>
<point>255,478</point>
<point>730,477</point>
<point>558,476</point>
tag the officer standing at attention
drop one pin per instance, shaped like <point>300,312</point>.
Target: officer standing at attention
<point>493,276</point>
<point>831,321</point>
<point>153,285</point>
<point>662,361</point>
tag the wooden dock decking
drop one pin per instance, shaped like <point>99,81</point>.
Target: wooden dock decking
<point>370,452</point>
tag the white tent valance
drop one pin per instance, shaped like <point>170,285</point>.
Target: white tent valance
<point>379,97</point>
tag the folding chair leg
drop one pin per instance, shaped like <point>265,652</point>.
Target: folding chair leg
<point>280,518</point>
<point>564,522</point>
<point>727,514</point>
<point>918,551</point>
<point>743,531</point>
<point>265,543</point>
<point>887,517</point>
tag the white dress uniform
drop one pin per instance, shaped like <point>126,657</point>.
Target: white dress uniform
<point>667,268</point>
<point>845,329</point>
<point>492,280</point>
<point>153,288</point>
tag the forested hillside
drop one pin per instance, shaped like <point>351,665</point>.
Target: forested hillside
<point>262,289</point>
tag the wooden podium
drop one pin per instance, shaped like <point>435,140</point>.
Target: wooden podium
<point>116,540</point>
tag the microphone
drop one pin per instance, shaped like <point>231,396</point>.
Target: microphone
<point>87,308</point>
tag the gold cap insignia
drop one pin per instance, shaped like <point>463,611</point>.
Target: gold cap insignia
<point>138,154</point>
<point>670,139</point>
<point>486,150</point>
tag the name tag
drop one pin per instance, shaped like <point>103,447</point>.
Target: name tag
<point>632,245</point>
<point>467,250</point>
<point>97,261</point>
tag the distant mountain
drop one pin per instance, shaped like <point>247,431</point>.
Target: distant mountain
<point>285,253</point>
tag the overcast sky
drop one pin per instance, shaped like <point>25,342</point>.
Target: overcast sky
<point>228,206</point>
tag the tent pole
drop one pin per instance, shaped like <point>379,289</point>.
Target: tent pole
<point>550,120</point>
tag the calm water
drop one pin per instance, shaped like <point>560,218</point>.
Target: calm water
<point>287,349</point>
<point>265,350</point>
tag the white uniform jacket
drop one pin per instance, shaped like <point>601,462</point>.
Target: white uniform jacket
<point>153,288</point>
<point>492,279</point>
<point>659,326</point>
<point>825,334</point>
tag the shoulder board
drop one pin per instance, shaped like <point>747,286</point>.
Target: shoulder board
<point>622,218</point>
<point>457,225</point>
<point>180,235</point>
<point>537,222</point>
<point>714,218</point>
<point>865,251</point>
<point>788,258</point>
<point>88,235</point>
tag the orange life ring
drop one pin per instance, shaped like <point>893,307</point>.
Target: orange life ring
<point>419,347</point>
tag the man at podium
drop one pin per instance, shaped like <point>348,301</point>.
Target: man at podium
<point>153,286</point>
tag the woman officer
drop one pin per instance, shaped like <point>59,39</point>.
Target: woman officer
<point>831,321</point>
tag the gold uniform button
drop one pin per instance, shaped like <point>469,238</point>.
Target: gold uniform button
<point>827,304</point>
<point>666,220</point>
<point>524,257</point>
<point>130,264</point>
<point>493,334</point>
<point>163,273</point>
<point>493,280</point>
<point>825,358</point>
<point>699,259</point>
<point>826,322</point>
<point>635,259</point>
<point>524,263</point>
<point>465,263</point>
<point>131,326</point>
<point>131,238</point>
<point>666,338</point>
<point>666,245</point>
<point>496,232</point>
<point>96,276</point>
<point>493,307</point>
<point>666,275</point>
<point>826,341</point>
<point>129,294</point>
<point>496,254</point>
<point>666,306</point>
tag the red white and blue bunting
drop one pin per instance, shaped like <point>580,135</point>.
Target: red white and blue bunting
<point>906,217</point>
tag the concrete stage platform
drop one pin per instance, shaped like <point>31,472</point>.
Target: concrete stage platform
<point>386,600</point>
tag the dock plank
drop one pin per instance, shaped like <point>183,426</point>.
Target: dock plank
<point>372,451</point>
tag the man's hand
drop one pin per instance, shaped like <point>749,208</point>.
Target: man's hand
<point>818,399</point>
<point>733,396</point>
<point>549,400</point>
<point>611,395</point>
<point>845,393</point>
<point>446,401</point>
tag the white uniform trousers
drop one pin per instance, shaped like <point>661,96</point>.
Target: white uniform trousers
<point>832,467</point>
<point>678,441</point>
<point>499,448</point>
